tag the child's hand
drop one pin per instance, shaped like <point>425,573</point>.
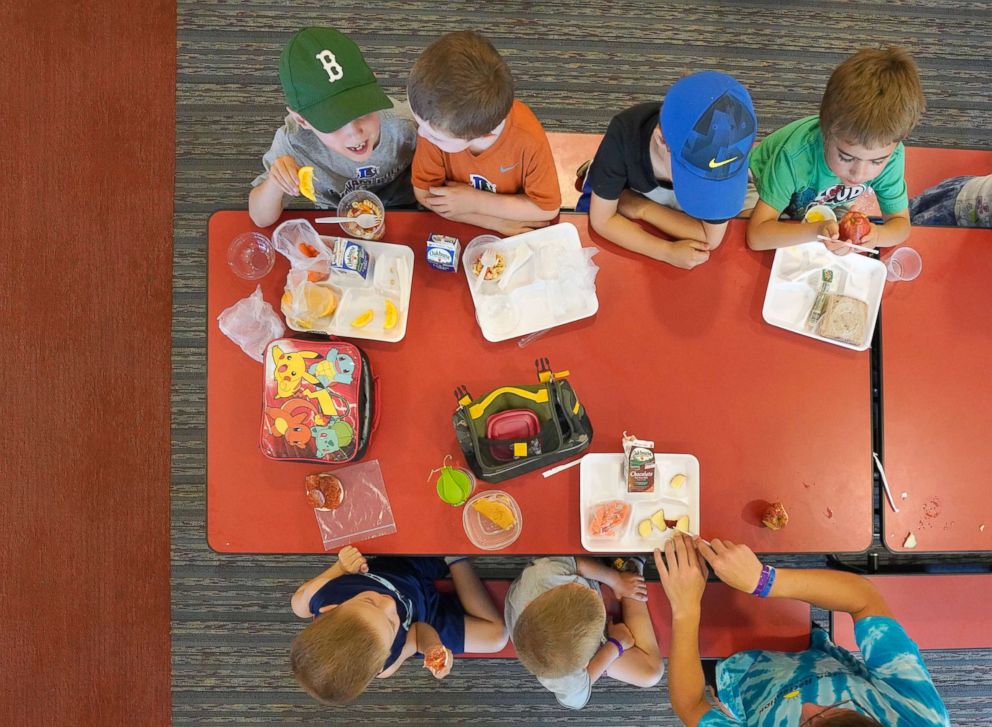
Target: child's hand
<point>431,659</point>
<point>352,561</point>
<point>452,199</point>
<point>684,576</point>
<point>621,633</point>
<point>829,228</point>
<point>687,254</point>
<point>630,585</point>
<point>284,173</point>
<point>735,565</point>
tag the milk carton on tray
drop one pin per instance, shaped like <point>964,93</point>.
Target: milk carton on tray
<point>638,464</point>
<point>350,257</point>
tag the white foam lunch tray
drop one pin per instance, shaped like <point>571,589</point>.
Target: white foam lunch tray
<point>387,278</point>
<point>541,293</point>
<point>600,481</point>
<point>795,281</point>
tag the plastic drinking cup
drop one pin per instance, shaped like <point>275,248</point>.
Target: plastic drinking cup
<point>251,256</point>
<point>903,264</point>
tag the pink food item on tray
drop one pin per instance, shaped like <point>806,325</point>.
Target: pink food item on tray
<point>608,519</point>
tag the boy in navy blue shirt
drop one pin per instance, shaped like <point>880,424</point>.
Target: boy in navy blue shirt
<point>680,166</point>
<point>371,616</point>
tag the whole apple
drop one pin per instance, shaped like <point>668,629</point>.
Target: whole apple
<point>853,226</point>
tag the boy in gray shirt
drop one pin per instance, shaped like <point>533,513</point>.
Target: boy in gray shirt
<point>340,123</point>
<point>557,621</point>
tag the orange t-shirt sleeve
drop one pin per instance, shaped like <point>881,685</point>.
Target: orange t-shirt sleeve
<point>541,180</point>
<point>428,165</point>
<point>541,174</point>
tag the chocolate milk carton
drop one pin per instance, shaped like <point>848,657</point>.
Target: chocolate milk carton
<point>638,464</point>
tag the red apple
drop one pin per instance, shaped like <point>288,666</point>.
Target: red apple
<point>854,226</point>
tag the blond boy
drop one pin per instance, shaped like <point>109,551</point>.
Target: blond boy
<point>482,158</point>
<point>871,103</point>
<point>371,616</point>
<point>557,621</point>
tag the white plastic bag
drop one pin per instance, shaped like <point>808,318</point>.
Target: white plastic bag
<point>300,242</point>
<point>252,324</point>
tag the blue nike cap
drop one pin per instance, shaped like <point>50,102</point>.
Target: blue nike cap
<point>709,126</point>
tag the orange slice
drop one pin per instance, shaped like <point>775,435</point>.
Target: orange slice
<point>321,301</point>
<point>392,315</point>
<point>305,176</point>
<point>364,319</point>
<point>496,512</point>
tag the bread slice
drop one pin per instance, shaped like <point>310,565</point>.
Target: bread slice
<point>844,319</point>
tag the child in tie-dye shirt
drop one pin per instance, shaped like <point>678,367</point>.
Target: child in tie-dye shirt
<point>824,685</point>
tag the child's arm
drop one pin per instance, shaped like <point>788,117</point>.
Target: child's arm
<point>683,576</point>
<point>766,232</point>
<point>672,222</point>
<point>738,567</point>
<point>503,226</point>
<point>350,560</point>
<point>893,231</point>
<point>420,637</point>
<point>624,585</point>
<point>608,652</point>
<point>455,198</point>
<point>605,218</point>
<point>265,202</point>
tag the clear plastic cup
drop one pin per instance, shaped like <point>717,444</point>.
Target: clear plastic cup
<point>903,264</point>
<point>251,255</point>
<point>359,202</point>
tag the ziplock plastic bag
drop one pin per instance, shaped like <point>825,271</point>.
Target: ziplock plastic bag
<point>251,323</point>
<point>300,242</point>
<point>364,511</point>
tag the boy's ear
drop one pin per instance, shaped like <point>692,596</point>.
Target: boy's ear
<point>658,135</point>
<point>298,119</point>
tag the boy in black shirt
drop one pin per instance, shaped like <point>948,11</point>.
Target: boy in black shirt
<point>680,166</point>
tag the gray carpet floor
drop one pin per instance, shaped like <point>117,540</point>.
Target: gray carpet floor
<point>575,66</point>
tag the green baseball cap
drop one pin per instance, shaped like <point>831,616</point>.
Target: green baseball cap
<point>326,80</point>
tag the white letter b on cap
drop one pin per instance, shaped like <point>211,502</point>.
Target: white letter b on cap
<point>331,65</point>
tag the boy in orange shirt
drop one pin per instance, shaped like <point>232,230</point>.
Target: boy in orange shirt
<point>482,158</point>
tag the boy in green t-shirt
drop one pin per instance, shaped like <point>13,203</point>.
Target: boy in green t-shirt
<point>871,103</point>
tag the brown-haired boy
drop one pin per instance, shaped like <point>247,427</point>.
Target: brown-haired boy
<point>871,103</point>
<point>482,158</point>
<point>371,616</point>
<point>557,622</point>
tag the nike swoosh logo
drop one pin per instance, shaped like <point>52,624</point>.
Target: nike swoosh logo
<point>715,164</point>
<point>504,170</point>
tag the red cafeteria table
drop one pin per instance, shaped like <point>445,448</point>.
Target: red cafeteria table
<point>680,357</point>
<point>937,395</point>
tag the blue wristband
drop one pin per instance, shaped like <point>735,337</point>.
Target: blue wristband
<point>768,584</point>
<point>616,644</point>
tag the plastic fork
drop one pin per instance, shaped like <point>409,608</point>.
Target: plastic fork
<point>859,248</point>
<point>366,220</point>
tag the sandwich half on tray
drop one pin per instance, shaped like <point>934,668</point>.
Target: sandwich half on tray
<point>844,319</point>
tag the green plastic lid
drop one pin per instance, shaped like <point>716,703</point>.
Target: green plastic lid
<point>453,486</point>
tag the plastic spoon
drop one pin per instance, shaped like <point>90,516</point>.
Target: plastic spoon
<point>521,256</point>
<point>366,220</point>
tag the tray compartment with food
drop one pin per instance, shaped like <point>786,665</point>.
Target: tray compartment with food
<point>824,296</point>
<point>675,495</point>
<point>544,276</point>
<point>332,295</point>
